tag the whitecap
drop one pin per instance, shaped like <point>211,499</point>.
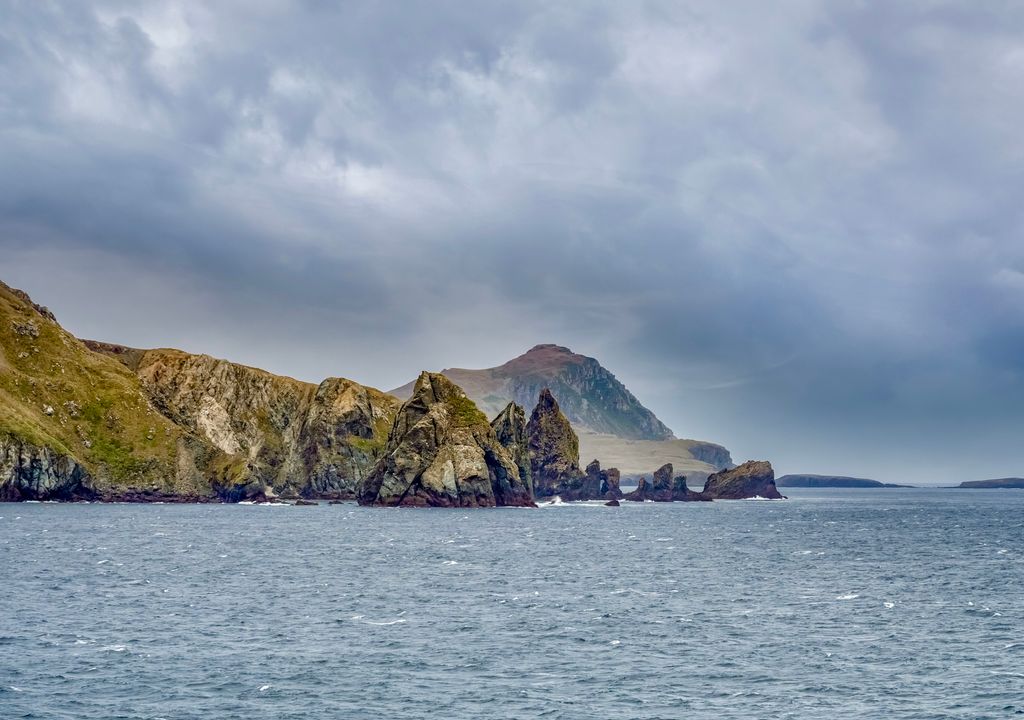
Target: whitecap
<point>615,642</point>
<point>113,648</point>
<point>848,596</point>
<point>101,562</point>
<point>391,622</point>
<point>889,605</point>
<point>263,688</point>
<point>450,562</point>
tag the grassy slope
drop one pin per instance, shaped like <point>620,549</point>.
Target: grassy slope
<point>99,415</point>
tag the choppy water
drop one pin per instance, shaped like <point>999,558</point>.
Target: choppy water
<point>835,603</point>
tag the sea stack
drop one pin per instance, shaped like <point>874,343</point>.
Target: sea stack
<point>754,478</point>
<point>442,452</point>
<point>510,430</point>
<point>554,448</point>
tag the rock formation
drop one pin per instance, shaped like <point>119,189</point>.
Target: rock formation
<point>75,424</point>
<point>93,420</point>
<point>443,452</point>
<point>510,429</point>
<point>554,448</point>
<point>665,488</point>
<point>751,479</point>
<point>595,484</point>
<point>296,438</point>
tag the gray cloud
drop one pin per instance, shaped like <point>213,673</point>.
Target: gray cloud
<point>794,230</point>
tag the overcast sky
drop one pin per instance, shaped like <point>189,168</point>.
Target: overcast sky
<point>794,228</point>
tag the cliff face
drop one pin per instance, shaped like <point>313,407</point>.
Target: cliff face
<point>554,448</point>
<point>295,438</point>
<point>74,424</point>
<point>442,452</point>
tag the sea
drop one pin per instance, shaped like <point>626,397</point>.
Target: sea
<point>859,603</point>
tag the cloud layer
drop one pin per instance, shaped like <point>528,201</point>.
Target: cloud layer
<point>794,229</point>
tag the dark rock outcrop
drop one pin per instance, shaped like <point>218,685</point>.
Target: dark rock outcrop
<point>658,490</point>
<point>610,484</point>
<point>589,486</point>
<point>554,449</point>
<point>665,488</point>
<point>639,494</point>
<point>754,478</point>
<point>510,429</point>
<point>29,472</point>
<point>442,452</point>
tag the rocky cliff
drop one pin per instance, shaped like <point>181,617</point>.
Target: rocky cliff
<point>443,452</point>
<point>297,439</point>
<point>75,424</point>
<point>750,480</point>
<point>554,448</point>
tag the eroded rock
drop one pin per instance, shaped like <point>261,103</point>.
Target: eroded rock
<point>442,452</point>
<point>754,478</point>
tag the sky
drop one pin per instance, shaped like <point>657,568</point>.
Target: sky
<point>793,228</point>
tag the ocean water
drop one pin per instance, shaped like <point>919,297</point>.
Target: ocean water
<point>832,604</point>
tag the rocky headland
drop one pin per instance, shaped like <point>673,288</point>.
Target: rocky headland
<point>85,420</point>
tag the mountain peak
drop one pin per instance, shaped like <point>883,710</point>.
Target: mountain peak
<point>590,396</point>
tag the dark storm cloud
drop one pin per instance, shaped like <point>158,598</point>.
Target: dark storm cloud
<point>793,229</point>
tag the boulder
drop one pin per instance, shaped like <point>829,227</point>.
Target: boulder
<point>754,478</point>
<point>613,503</point>
<point>554,449</point>
<point>443,453</point>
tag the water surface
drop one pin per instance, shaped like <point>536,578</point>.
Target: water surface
<point>835,603</point>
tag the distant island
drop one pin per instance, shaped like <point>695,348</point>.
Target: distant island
<point>1015,483</point>
<point>831,481</point>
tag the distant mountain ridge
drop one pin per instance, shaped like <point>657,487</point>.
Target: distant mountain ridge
<point>590,396</point>
<point>612,424</point>
<point>995,483</point>
<point>831,481</point>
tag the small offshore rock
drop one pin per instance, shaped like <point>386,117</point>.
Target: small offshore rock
<point>754,478</point>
